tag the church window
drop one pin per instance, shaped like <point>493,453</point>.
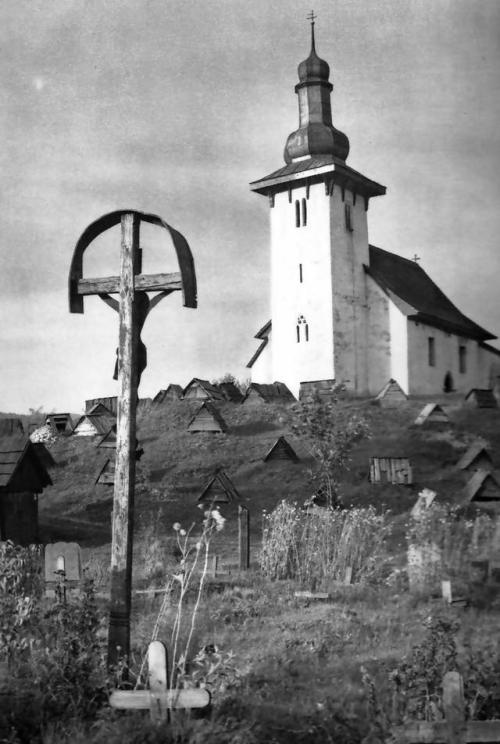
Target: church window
<point>297,213</point>
<point>462,359</point>
<point>304,212</point>
<point>431,350</point>
<point>302,329</point>
<point>301,275</point>
<point>348,217</point>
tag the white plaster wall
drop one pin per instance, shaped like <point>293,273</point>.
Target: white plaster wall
<point>424,379</point>
<point>262,368</point>
<point>349,253</point>
<point>378,337</point>
<point>398,327</point>
<point>293,362</point>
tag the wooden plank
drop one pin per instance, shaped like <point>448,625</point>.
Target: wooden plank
<point>157,680</point>
<point>423,732</point>
<point>311,595</point>
<point>454,707</point>
<point>123,495</point>
<point>244,538</point>
<point>142,282</point>
<point>142,699</point>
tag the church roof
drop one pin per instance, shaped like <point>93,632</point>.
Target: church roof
<point>263,335</point>
<point>422,298</point>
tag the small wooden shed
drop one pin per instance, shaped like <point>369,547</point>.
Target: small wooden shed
<point>481,398</point>
<point>96,422</point>
<point>432,413</point>
<point>482,489</point>
<point>219,490</point>
<point>396,470</point>
<point>476,457</point>
<point>276,392</point>
<point>60,423</point>
<point>207,419</point>
<point>199,389</point>
<point>391,395</point>
<point>172,392</point>
<point>281,450</point>
<point>22,478</point>
<point>110,403</point>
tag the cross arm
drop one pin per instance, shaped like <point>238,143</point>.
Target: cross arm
<point>142,283</point>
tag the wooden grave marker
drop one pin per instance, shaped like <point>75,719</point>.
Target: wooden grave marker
<point>158,698</point>
<point>243,538</point>
<point>133,307</point>
<point>453,729</point>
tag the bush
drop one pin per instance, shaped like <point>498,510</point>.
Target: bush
<point>317,546</point>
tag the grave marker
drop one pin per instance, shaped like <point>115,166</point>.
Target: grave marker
<point>244,538</point>
<point>63,564</point>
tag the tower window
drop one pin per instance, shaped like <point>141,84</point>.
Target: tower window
<point>302,329</point>
<point>301,276</point>
<point>304,212</point>
<point>431,351</point>
<point>348,217</point>
<point>462,359</point>
<point>297,213</point>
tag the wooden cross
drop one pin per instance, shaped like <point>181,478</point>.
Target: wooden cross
<point>416,258</point>
<point>311,17</point>
<point>454,729</point>
<point>133,306</point>
<point>158,698</point>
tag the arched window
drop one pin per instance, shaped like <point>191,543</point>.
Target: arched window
<point>302,329</point>
<point>297,213</point>
<point>304,212</point>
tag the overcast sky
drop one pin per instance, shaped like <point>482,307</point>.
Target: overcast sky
<point>173,108</point>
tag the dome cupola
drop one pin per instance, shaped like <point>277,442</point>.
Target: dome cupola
<point>316,134</point>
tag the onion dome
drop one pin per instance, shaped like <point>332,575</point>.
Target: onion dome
<point>316,134</point>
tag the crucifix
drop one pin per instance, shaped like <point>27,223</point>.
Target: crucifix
<point>416,258</point>
<point>133,307</point>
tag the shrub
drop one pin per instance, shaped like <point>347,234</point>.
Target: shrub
<point>318,546</point>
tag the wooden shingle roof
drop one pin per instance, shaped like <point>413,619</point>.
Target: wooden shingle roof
<point>423,301</point>
<point>231,392</point>
<point>481,398</point>
<point>210,390</point>
<point>476,453</point>
<point>482,487</point>
<point>207,418</point>
<point>391,394</point>
<point>10,426</point>
<point>13,451</point>
<point>102,422</point>
<point>432,413</point>
<point>269,393</point>
<point>171,392</point>
<point>281,450</point>
<point>219,490</point>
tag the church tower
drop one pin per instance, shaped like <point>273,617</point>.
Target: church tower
<point>319,247</point>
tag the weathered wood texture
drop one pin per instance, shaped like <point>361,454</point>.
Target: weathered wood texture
<point>243,538</point>
<point>391,395</point>
<point>123,494</point>
<point>142,282</point>
<point>207,419</point>
<point>281,450</point>
<point>395,470</point>
<point>432,413</point>
<point>219,490</point>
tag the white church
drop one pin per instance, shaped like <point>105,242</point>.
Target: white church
<point>344,310</point>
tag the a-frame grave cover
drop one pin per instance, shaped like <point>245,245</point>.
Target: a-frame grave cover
<point>106,474</point>
<point>432,413</point>
<point>481,398</point>
<point>219,490</point>
<point>482,489</point>
<point>207,419</point>
<point>476,457</point>
<point>281,450</point>
<point>391,395</point>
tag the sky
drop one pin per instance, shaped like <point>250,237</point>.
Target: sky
<point>173,108</point>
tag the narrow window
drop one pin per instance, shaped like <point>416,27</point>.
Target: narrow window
<point>301,277</point>
<point>431,348</point>
<point>307,332</point>
<point>304,212</point>
<point>298,334</point>
<point>301,321</point>
<point>297,213</point>
<point>462,359</point>
<point>348,217</point>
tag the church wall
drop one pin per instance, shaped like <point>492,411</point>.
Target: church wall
<point>426,379</point>
<point>378,337</point>
<point>349,253</point>
<point>398,325</point>
<point>291,247</point>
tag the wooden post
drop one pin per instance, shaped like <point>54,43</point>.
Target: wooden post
<point>213,567</point>
<point>454,708</point>
<point>123,497</point>
<point>244,538</point>
<point>157,680</point>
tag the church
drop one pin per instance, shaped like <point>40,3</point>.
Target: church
<point>344,310</point>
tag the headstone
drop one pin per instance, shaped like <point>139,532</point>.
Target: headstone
<point>62,557</point>
<point>424,501</point>
<point>424,567</point>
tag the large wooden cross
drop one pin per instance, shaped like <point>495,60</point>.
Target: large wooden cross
<point>133,306</point>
